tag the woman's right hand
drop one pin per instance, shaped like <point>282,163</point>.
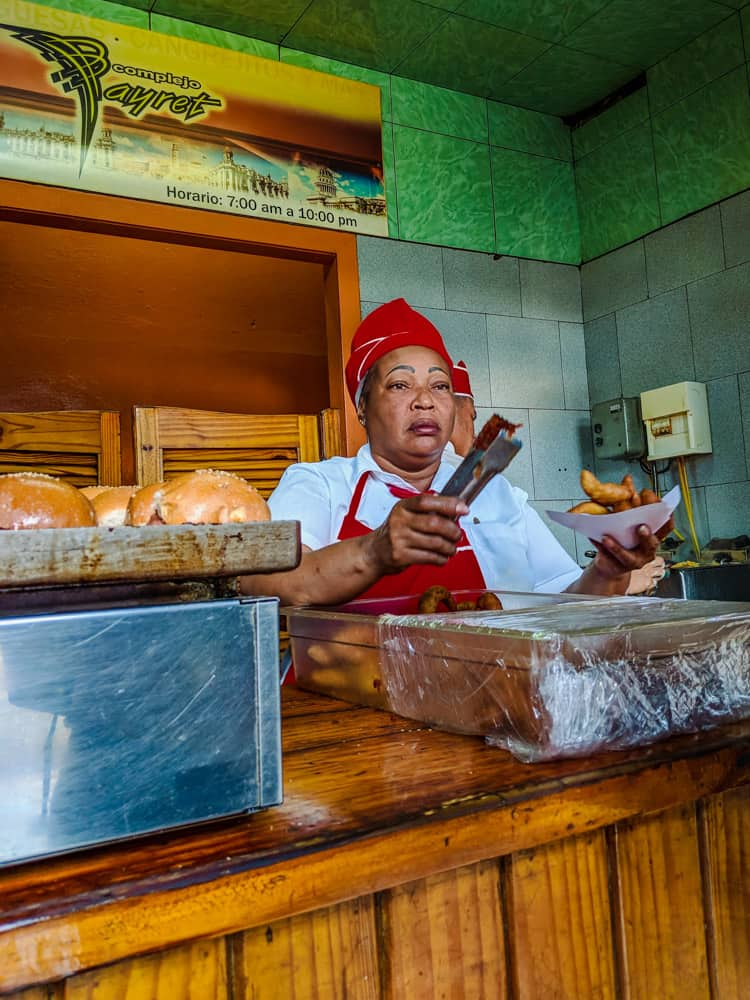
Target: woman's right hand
<point>419,529</point>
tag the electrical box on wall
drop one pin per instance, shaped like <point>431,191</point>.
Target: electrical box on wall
<point>676,419</point>
<point>618,428</point>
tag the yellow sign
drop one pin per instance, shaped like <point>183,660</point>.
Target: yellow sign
<point>102,107</point>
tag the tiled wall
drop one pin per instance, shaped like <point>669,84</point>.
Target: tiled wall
<point>517,325</point>
<point>460,171</point>
<point>678,144</point>
<point>673,307</point>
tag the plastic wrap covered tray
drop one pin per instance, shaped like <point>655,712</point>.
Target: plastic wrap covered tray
<point>549,676</point>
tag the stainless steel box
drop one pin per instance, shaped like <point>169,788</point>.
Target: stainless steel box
<point>121,721</point>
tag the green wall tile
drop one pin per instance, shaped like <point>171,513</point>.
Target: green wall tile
<point>528,131</point>
<point>213,36</point>
<point>535,207</point>
<point>105,11</point>
<point>347,70</point>
<point>389,170</point>
<point>621,117</point>
<point>266,19</point>
<point>640,32</point>
<point>375,33</point>
<point>617,196</point>
<point>711,55</point>
<point>444,4</point>
<point>470,56</point>
<point>562,81</point>
<point>444,190</point>
<point>138,4</point>
<point>436,109</point>
<point>702,146</point>
<point>548,19</point>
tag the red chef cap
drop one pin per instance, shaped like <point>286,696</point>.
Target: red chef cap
<point>386,328</point>
<point>460,377</point>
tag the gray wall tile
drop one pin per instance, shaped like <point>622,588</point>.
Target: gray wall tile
<point>612,470</point>
<point>726,463</point>
<point>735,221</point>
<point>700,515</point>
<point>616,280</point>
<point>565,536</point>
<point>560,448</point>
<point>602,359</point>
<point>551,291</point>
<point>525,363</point>
<point>476,282</point>
<point>728,510</point>
<point>519,472</point>
<point>720,323</point>
<point>573,351</point>
<point>685,251</point>
<point>465,336</point>
<point>744,381</point>
<point>389,269</point>
<point>653,339</point>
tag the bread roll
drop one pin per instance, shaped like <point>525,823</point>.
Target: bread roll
<point>142,506</point>
<point>35,500</point>
<point>205,496</point>
<point>110,504</point>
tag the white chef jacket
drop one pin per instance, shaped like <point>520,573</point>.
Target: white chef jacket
<point>514,548</point>
<point>451,456</point>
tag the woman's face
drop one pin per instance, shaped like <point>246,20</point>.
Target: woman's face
<point>409,408</point>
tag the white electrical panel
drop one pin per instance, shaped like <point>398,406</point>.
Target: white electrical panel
<point>676,419</point>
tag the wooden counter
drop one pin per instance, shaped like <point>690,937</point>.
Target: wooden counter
<point>410,863</point>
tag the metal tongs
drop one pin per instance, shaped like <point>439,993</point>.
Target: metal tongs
<point>493,450</point>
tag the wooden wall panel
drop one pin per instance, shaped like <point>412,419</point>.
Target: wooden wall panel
<point>195,972</point>
<point>559,921</point>
<point>99,321</point>
<point>725,821</point>
<point>443,937</point>
<point>52,992</point>
<point>330,954</point>
<point>660,923</point>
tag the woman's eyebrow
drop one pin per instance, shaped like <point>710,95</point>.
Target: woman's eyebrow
<point>396,368</point>
<point>437,368</point>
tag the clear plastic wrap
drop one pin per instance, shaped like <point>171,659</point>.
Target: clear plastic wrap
<point>574,678</point>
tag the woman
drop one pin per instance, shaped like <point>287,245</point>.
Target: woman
<point>375,526</point>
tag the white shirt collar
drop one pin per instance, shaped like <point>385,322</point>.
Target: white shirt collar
<point>366,463</point>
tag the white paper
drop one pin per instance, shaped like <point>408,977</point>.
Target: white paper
<point>623,527</point>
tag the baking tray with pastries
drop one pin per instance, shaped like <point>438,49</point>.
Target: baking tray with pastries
<point>549,675</point>
<point>202,524</point>
<point>337,650</point>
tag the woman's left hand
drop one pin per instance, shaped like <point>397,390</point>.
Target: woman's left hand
<point>610,571</point>
<point>613,560</point>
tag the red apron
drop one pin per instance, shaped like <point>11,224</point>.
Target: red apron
<point>461,572</point>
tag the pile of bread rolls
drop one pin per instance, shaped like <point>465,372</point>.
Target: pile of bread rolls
<point>611,498</point>
<point>207,496</point>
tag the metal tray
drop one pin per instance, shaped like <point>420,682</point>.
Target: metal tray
<point>59,556</point>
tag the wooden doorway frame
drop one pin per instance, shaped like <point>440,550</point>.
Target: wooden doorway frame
<point>63,208</point>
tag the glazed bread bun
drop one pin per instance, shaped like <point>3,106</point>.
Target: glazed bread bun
<point>210,497</point>
<point>110,504</point>
<point>34,500</point>
<point>202,497</point>
<point>141,507</point>
<point>93,491</point>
